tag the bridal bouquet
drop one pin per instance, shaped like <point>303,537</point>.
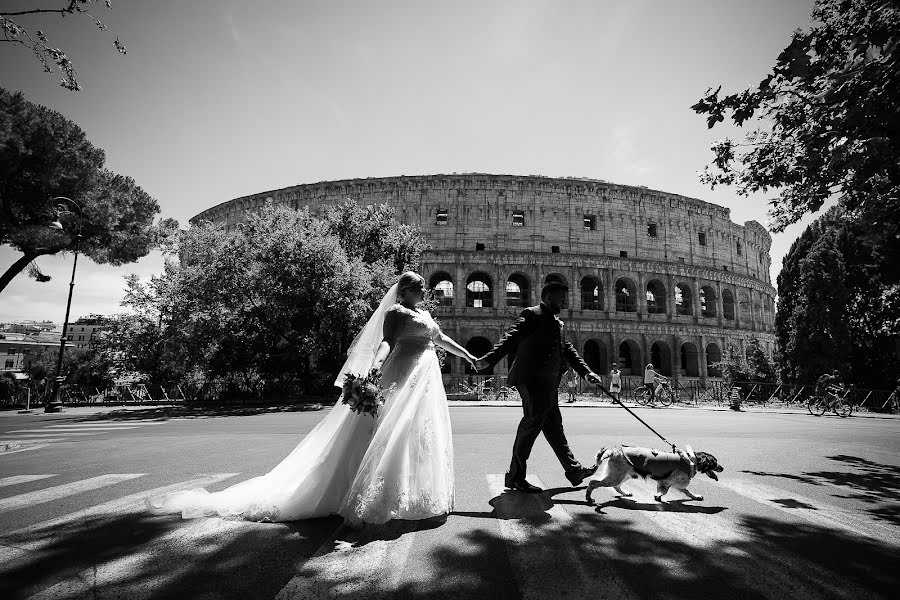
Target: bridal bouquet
<point>363,393</point>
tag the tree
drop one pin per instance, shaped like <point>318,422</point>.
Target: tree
<point>40,46</point>
<point>44,155</point>
<point>829,120</point>
<point>279,297</point>
<point>838,305</point>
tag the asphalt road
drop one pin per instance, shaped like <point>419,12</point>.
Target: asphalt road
<point>806,508</point>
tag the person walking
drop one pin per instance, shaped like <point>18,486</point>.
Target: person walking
<point>650,381</point>
<point>571,385</point>
<point>615,381</point>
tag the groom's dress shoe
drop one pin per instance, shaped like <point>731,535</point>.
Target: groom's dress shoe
<point>522,486</point>
<point>578,475</point>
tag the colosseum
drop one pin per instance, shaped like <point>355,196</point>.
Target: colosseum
<point>653,276</point>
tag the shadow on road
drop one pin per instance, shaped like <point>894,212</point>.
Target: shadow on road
<point>163,413</point>
<point>867,481</point>
<point>523,543</point>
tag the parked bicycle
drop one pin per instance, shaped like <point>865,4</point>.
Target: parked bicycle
<point>834,399</point>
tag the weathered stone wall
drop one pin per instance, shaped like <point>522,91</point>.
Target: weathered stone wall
<point>499,225</point>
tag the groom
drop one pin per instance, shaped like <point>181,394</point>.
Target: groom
<point>540,356</point>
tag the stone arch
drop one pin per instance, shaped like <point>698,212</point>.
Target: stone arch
<point>596,356</point>
<point>518,290</point>
<point>441,285</point>
<point>630,358</point>
<point>479,290</point>
<point>707,301</point>
<point>728,305</point>
<point>478,346</point>
<point>690,360</point>
<point>661,357</point>
<point>656,297</point>
<point>591,293</point>
<point>626,295</point>
<point>713,355</point>
<point>683,299</point>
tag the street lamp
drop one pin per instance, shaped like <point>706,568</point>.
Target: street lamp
<point>54,404</point>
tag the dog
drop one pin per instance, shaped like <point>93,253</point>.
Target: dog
<point>669,469</point>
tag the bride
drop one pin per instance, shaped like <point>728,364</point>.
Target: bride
<point>368,470</point>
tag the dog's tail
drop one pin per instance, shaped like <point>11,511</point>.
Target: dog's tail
<point>600,454</point>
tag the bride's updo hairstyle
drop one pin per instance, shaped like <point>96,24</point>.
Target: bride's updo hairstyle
<point>408,280</point>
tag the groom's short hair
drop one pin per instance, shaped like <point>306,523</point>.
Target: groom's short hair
<point>552,286</point>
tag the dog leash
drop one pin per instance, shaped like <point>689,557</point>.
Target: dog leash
<point>637,417</point>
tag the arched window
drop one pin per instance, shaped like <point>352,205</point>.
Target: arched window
<point>656,297</point>
<point>630,358</point>
<point>707,301</point>
<point>478,346</point>
<point>626,297</point>
<point>517,292</point>
<point>713,356</point>
<point>478,291</point>
<point>442,285</point>
<point>595,356</point>
<point>690,365</point>
<point>661,358</point>
<point>683,299</point>
<point>591,294</point>
<point>728,305</point>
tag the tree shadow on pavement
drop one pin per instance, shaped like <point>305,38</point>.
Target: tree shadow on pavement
<point>868,481</point>
<point>163,413</point>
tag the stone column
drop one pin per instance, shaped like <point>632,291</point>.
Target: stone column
<point>695,292</point>
<point>704,368</point>
<point>611,290</point>
<point>670,297</point>
<point>459,287</point>
<point>641,303</point>
<point>719,305</point>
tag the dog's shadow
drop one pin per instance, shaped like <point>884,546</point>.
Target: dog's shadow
<point>673,506</point>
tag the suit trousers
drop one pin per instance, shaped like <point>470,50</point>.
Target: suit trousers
<point>540,404</point>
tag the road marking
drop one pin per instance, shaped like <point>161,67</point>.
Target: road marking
<point>31,438</point>
<point>17,479</point>
<point>67,429</point>
<point>123,425</point>
<point>31,539</point>
<point>45,433</point>
<point>353,563</point>
<point>63,491</point>
<point>26,449</point>
<point>538,533</point>
<point>814,511</point>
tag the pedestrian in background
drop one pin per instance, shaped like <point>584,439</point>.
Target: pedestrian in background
<point>571,384</point>
<point>615,381</point>
<point>650,381</point>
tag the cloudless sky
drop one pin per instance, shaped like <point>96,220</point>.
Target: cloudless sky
<point>218,99</point>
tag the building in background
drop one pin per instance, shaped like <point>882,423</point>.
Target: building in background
<point>654,277</point>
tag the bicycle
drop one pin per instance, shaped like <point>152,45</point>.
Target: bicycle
<point>832,400</point>
<point>664,393</point>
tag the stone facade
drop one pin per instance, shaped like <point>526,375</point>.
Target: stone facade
<point>653,277</point>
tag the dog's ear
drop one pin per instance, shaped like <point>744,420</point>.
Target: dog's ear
<point>600,454</point>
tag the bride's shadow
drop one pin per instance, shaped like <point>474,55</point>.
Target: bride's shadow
<point>351,537</point>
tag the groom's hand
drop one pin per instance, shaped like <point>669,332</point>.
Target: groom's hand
<point>481,364</point>
<point>594,378</point>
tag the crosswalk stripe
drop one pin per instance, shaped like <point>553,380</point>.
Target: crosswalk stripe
<point>30,438</point>
<point>67,429</point>
<point>723,540</point>
<point>26,449</point>
<point>31,539</point>
<point>813,510</point>
<point>123,425</point>
<point>371,567</point>
<point>45,433</point>
<point>17,479</point>
<point>528,554</point>
<point>64,491</point>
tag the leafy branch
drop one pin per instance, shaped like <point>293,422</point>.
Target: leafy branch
<point>39,45</point>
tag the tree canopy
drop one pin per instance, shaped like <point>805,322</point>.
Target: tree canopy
<point>279,297</point>
<point>827,120</point>
<point>44,155</point>
<point>36,41</point>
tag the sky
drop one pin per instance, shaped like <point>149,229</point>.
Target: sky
<point>217,99</point>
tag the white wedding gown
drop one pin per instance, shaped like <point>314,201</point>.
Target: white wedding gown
<point>398,466</point>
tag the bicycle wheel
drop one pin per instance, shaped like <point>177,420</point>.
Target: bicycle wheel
<point>842,408</point>
<point>640,395</point>
<point>816,406</point>
<point>666,396</point>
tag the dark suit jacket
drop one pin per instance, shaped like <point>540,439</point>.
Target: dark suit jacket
<point>539,350</point>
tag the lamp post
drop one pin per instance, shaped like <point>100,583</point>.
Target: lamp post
<point>54,404</point>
